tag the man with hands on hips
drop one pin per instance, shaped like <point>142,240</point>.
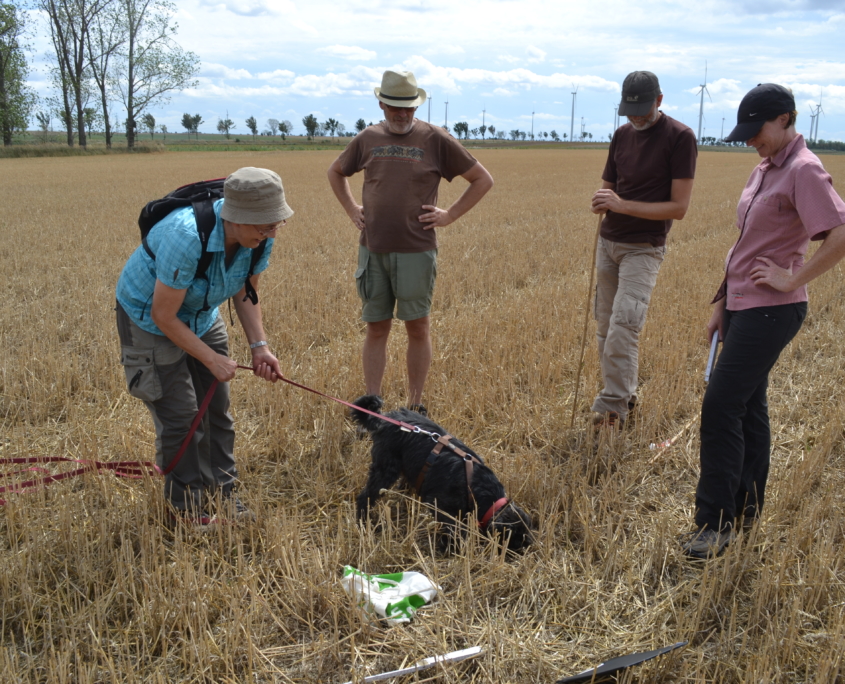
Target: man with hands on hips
<point>403,160</point>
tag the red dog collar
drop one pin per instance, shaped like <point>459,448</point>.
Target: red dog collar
<point>495,508</point>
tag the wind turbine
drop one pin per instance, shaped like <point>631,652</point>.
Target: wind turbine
<point>819,111</point>
<point>701,108</point>
<point>572,120</point>
<point>812,122</point>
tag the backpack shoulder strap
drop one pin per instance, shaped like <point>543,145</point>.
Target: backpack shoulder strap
<point>206,220</point>
<point>257,253</point>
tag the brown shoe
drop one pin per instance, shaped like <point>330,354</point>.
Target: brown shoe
<point>610,421</point>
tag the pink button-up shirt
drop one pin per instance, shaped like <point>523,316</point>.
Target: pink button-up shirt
<point>788,201</point>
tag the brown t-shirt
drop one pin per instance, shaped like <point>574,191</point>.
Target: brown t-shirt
<point>402,172</point>
<point>643,165</point>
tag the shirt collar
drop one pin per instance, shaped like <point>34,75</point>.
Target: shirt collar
<point>796,142</point>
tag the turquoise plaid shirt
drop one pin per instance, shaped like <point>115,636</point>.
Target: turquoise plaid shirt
<point>175,242</point>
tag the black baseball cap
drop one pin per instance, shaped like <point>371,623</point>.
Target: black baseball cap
<point>760,104</point>
<point>639,91</point>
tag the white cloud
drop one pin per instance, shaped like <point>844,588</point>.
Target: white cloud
<point>252,8</point>
<point>277,75</point>
<point>350,52</point>
<point>211,70</point>
<point>450,79</point>
<point>808,94</point>
<point>444,49</point>
<point>535,54</point>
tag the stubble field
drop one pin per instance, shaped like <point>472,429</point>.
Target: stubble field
<point>95,587</point>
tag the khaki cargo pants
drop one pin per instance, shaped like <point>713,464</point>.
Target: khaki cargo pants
<point>625,276</point>
<point>173,384</point>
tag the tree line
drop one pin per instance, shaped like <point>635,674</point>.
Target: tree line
<point>103,52</point>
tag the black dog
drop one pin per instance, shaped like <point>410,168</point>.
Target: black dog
<point>440,478</point>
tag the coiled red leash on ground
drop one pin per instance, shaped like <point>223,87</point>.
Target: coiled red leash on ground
<point>137,469</point>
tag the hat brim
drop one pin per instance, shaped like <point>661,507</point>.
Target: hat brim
<point>743,132</point>
<point>393,102</point>
<point>248,217</point>
<point>635,109</point>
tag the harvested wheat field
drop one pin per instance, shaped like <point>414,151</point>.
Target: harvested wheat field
<point>96,587</point>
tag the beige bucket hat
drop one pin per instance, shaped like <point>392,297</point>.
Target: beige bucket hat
<point>254,197</point>
<point>399,89</point>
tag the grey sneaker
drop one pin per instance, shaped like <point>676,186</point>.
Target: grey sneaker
<point>235,511</point>
<point>706,543</point>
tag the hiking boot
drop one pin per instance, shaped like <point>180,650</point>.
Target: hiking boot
<point>419,408</point>
<point>706,543</point>
<point>608,421</point>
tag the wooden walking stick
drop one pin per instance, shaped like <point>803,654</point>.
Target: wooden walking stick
<point>586,321</point>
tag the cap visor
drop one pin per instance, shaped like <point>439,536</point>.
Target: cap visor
<point>744,131</point>
<point>635,109</point>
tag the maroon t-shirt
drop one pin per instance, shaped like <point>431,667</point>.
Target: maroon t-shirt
<point>401,173</point>
<point>642,165</point>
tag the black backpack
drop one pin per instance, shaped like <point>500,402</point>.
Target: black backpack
<point>201,196</point>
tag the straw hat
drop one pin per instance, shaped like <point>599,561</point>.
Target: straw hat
<point>399,89</point>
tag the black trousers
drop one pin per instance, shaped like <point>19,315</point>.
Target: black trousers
<point>735,433</point>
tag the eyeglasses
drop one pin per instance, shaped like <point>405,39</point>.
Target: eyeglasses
<point>265,232</point>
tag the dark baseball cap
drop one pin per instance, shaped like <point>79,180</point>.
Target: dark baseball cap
<point>760,104</point>
<point>639,91</point>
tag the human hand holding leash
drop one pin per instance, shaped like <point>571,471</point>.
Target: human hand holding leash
<point>265,365</point>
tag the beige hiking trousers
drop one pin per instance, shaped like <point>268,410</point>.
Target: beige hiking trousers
<point>625,276</point>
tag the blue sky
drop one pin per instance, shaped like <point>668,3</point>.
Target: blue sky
<point>284,59</point>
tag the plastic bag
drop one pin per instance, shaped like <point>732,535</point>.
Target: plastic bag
<point>395,597</point>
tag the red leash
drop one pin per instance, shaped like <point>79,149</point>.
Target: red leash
<point>405,426</point>
<point>137,469</point>
<point>129,469</point>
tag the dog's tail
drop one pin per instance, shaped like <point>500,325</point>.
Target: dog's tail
<point>371,402</point>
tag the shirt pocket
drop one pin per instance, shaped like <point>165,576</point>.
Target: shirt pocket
<point>770,212</point>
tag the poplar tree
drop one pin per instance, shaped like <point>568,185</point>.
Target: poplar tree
<point>16,99</point>
<point>152,64</point>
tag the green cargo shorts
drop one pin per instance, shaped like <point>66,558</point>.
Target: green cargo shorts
<point>395,280</point>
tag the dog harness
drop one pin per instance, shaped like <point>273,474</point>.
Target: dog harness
<point>469,461</point>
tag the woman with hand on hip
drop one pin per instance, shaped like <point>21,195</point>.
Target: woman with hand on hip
<point>788,201</point>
